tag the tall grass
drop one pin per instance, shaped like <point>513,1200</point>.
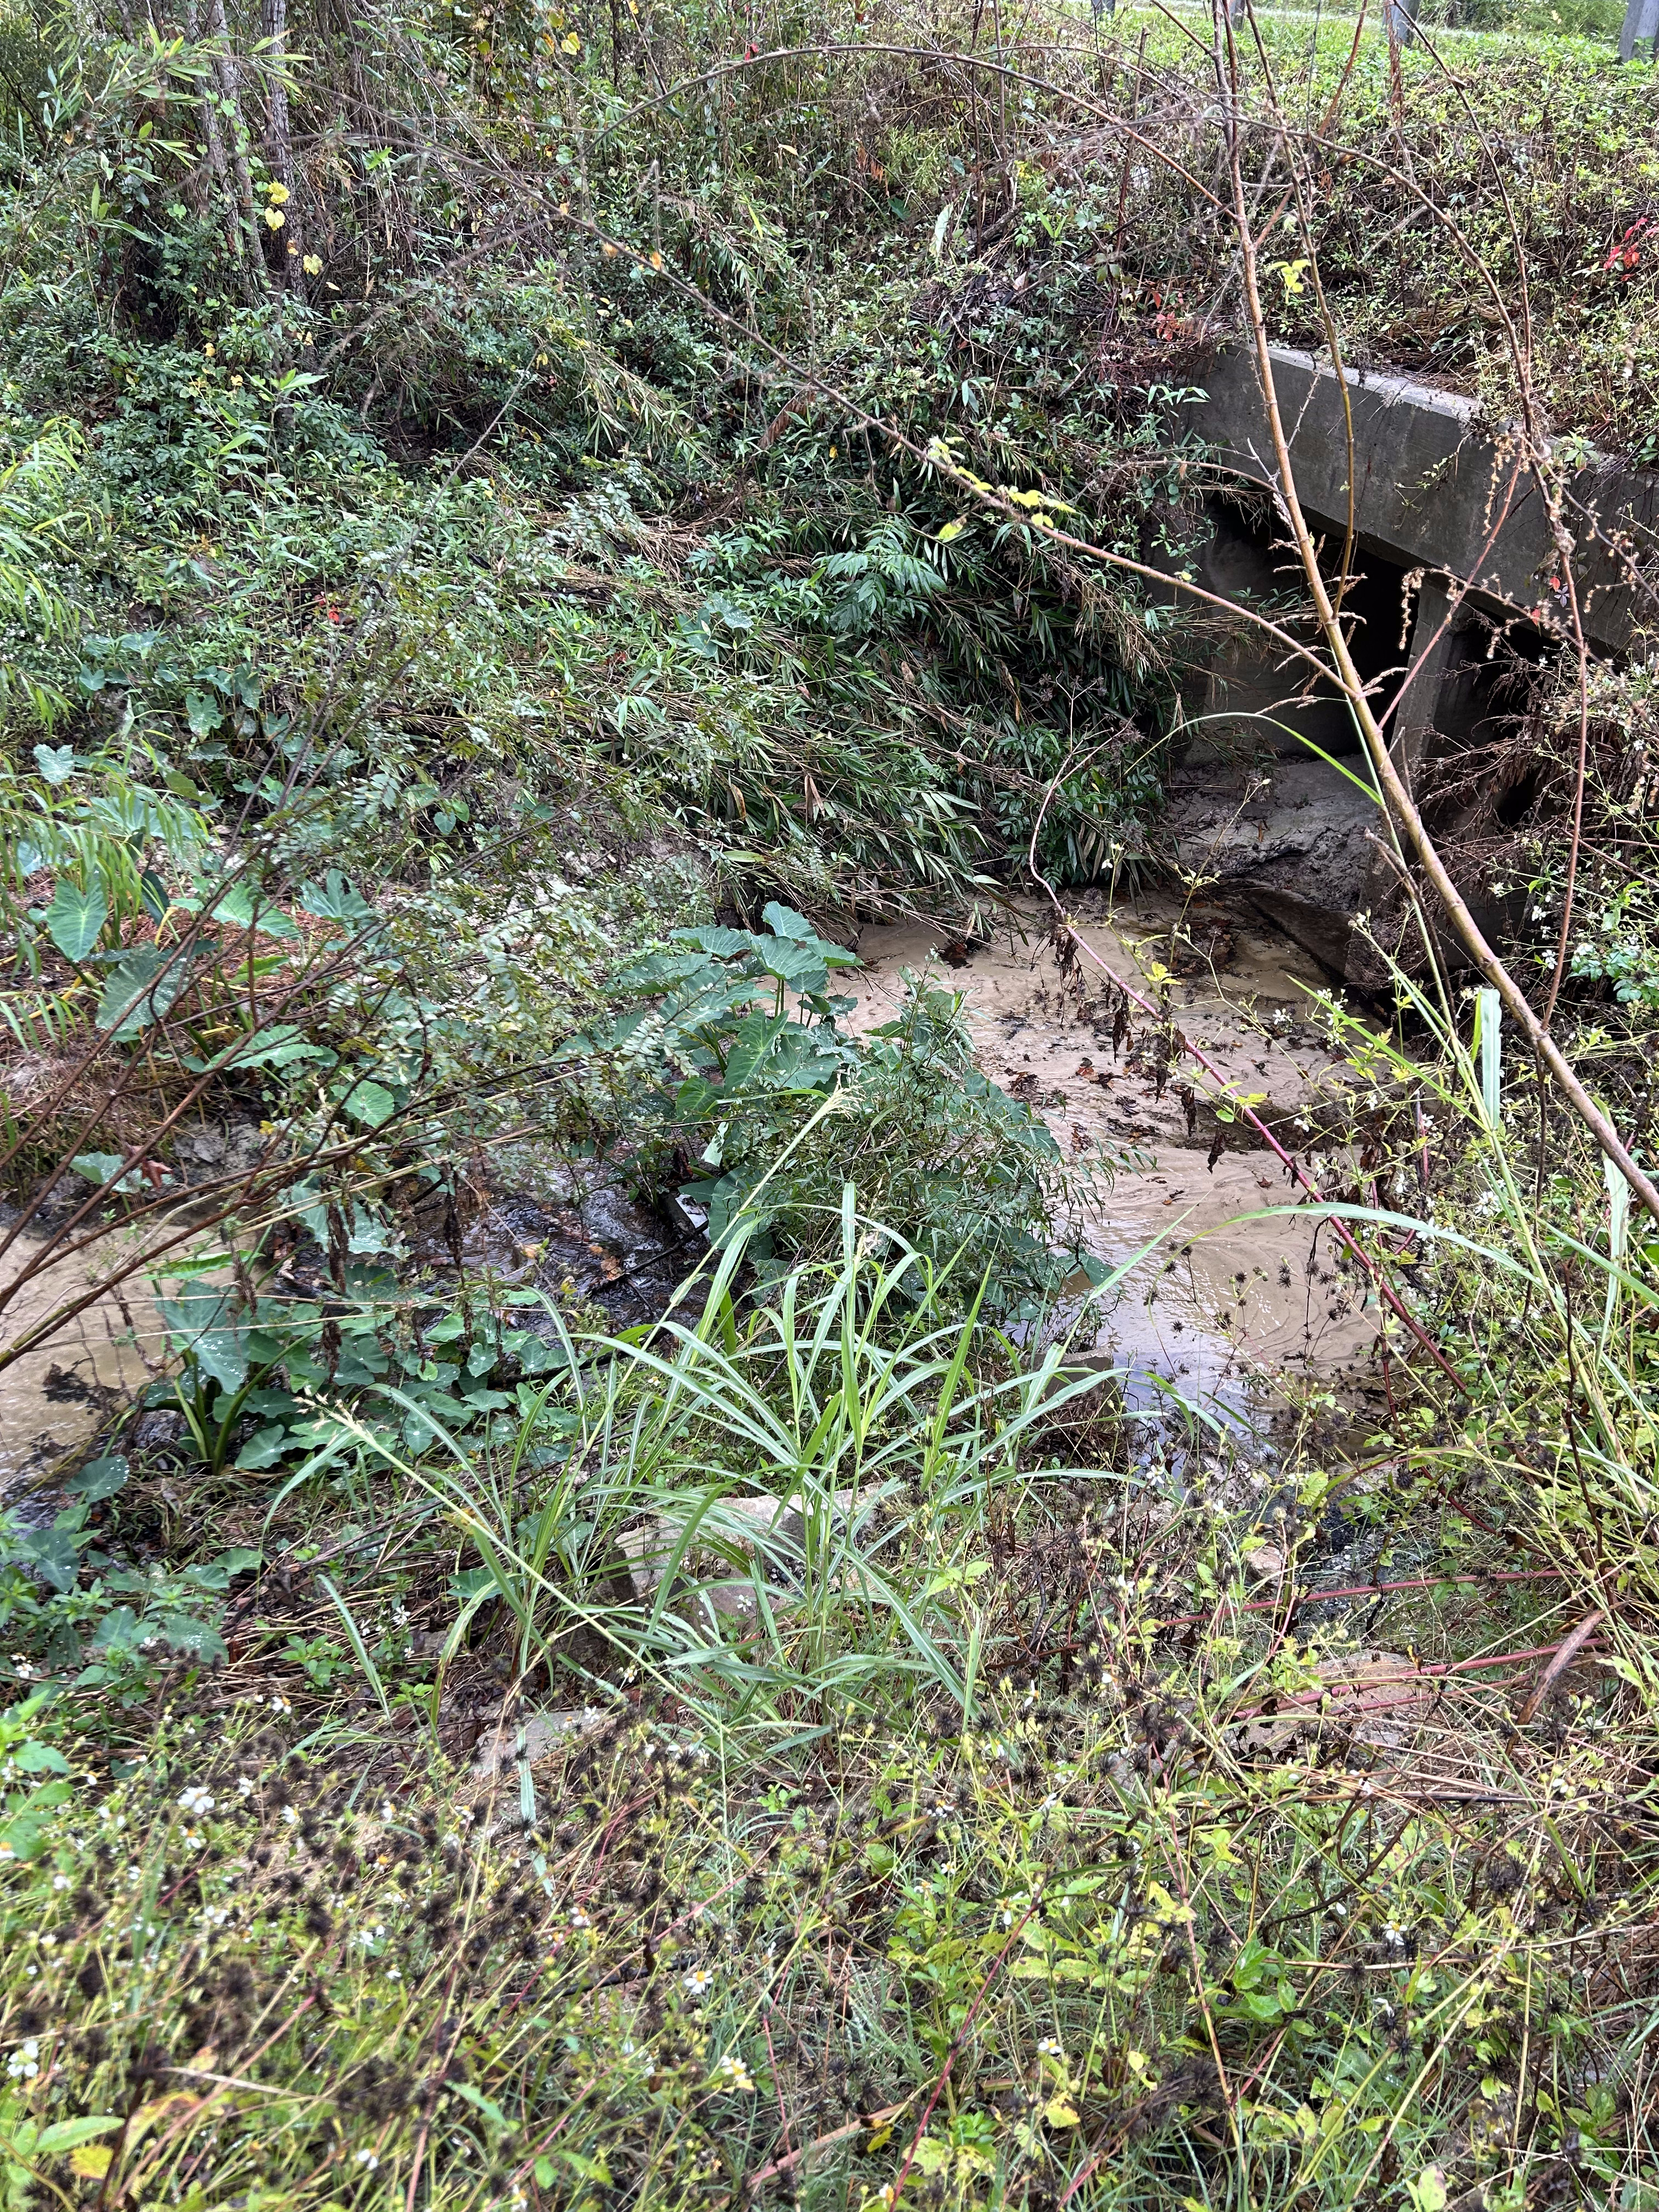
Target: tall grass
<point>772,1509</point>
<point>941,1810</point>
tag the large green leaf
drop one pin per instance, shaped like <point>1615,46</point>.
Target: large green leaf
<point>53,1553</point>
<point>203,711</point>
<point>98,1168</point>
<point>141,986</point>
<point>755,1036</point>
<point>723,943</point>
<point>800,966</point>
<point>659,967</point>
<point>199,1325</point>
<point>370,1104</point>
<point>98,1480</point>
<point>120,1630</point>
<point>76,919</point>
<point>334,899</point>
<point>56,763</point>
<point>237,910</point>
<point>282,1045</point>
<point>197,1640</point>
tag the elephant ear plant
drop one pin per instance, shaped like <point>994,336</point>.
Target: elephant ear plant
<point>224,1358</point>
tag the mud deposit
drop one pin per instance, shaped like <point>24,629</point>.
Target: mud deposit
<point>1225,1307</point>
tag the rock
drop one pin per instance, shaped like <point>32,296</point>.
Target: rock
<point>1266,1562</point>
<point>612,1218</point>
<point>532,1739</point>
<point>734,1532</point>
<point>1373,1697</point>
<point>1296,842</point>
<point>155,1431</point>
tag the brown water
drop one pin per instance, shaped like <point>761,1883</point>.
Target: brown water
<point>53,1400</point>
<point>1227,1307</point>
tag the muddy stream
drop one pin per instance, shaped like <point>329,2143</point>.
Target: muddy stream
<point>1222,1312</point>
<point>1226,1308</point>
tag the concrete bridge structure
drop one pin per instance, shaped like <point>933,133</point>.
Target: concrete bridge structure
<point>1435,498</point>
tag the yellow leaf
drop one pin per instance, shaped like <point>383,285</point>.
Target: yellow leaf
<point>277,195</point>
<point>312,264</point>
<point>158,2110</point>
<point>571,43</point>
<point>91,2161</point>
<point>952,530</point>
<point>275,217</point>
<point>1060,2113</point>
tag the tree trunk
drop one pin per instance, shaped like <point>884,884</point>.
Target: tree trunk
<point>279,147</point>
<point>213,138</point>
<point>228,79</point>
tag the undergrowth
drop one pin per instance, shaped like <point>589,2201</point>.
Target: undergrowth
<point>465,685</point>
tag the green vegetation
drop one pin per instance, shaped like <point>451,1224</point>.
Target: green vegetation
<point>483,623</point>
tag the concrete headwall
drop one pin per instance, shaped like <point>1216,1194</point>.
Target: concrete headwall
<point>1255,809</point>
<point>1432,490</point>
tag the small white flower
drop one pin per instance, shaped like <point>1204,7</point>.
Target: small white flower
<point>731,2074</point>
<point>60,1882</point>
<point>290,1816</point>
<point>698,1980</point>
<point>246,1785</point>
<point>196,1799</point>
<point>368,2158</point>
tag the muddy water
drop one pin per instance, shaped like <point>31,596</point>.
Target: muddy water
<point>1222,1308</point>
<point>1225,1307</point>
<point>52,1401</point>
